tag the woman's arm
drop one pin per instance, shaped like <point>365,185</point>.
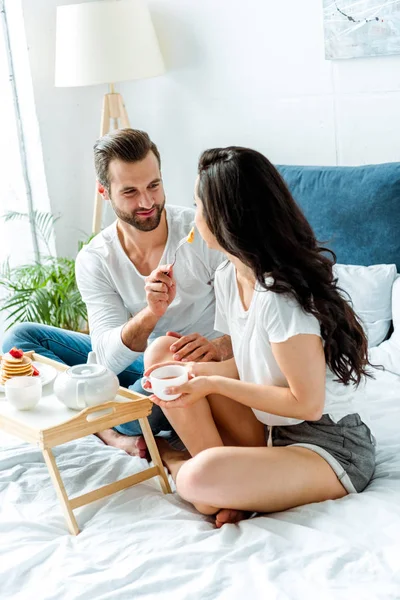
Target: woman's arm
<point>226,368</point>
<point>302,361</point>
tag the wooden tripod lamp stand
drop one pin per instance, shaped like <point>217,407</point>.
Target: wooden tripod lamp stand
<point>105,42</point>
<point>113,116</point>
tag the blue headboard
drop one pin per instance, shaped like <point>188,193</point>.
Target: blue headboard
<point>354,210</point>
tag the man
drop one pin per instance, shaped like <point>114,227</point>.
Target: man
<point>132,293</point>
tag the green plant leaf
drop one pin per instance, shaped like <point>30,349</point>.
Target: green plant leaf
<point>45,222</point>
<point>12,215</point>
<point>44,292</point>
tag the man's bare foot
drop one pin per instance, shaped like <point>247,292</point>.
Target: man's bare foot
<point>134,445</point>
<point>230,515</point>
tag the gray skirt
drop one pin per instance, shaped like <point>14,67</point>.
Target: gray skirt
<point>348,446</point>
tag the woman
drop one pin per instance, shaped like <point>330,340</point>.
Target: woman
<point>299,352</point>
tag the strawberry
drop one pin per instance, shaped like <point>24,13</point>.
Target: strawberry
<point>35,372</point>
<point>15,353</point>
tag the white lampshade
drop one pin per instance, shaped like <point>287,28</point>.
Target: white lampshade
<point>105,42</point>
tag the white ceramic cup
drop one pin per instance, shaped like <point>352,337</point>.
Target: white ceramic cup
<point>23,392</point>
<point>164,377</point>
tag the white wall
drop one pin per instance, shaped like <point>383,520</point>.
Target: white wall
<point>69,124</point>
<point>250,73</point>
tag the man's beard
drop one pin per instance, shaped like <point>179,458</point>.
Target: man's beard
<point>141,223</point>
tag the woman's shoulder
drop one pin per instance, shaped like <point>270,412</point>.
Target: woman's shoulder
<point>224,274</point>
<point>278,301</point>
<point>284,316</point>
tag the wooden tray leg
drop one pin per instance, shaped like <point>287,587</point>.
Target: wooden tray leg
<point>60,490</point>
<point>155,455</point>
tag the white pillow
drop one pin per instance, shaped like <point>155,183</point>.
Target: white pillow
<point>387,354</point>
<point>370,290</point>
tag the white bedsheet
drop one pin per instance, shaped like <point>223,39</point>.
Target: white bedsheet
<point>140,544</point>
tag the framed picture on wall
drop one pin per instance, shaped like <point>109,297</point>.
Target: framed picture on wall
<point>359,28</point>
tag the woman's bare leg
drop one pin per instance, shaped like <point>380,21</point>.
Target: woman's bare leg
<point>189,424</point>
<point>243,478</point>
<point>173,460</point>
<point>209,423</point>
<point>235,422</point>
<point>258,479</point>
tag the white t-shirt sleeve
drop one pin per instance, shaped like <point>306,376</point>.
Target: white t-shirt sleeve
<point>284,318</point>
<point>106,313</point>
<point>221,305</point>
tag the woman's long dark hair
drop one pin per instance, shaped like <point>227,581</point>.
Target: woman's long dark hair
<point>250,211</point>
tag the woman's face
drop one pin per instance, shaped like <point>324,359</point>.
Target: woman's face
<point>201,224</point>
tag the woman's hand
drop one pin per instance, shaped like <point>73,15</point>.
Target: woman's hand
<point>191,392</point>
<point>189,366</point>
<point>196,388</point>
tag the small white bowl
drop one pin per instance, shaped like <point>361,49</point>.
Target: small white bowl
<point>23,392</point>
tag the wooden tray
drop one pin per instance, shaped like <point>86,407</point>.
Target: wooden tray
<point>50,424</point>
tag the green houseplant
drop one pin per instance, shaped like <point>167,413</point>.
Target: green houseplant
<point>44,291</point>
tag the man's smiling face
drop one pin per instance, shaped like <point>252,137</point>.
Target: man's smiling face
<point>136,192</point>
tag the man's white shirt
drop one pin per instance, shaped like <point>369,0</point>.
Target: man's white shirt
<point>113,289</point>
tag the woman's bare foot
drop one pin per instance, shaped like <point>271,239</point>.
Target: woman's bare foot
<point>230,515</point>
<point>134,445</point>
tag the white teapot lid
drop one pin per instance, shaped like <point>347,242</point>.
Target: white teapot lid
<point>83,371</point>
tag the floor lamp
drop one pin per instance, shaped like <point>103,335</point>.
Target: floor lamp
<point>105,42</point>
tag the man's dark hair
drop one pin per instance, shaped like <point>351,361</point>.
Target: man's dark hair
<point>129,145</point>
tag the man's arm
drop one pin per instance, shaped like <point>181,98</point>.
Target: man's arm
<point>136,331</point>
<point>195,347</point>
<point>160,292</point>
<point>107,313</point>
<point>224,347</point>
<point>116,338</point>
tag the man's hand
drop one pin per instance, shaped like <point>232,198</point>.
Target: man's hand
<point>193,347</point>
<point>160,289</point>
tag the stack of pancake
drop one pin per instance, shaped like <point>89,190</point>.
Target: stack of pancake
<point>12,366</point>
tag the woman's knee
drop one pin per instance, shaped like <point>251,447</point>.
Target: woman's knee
<point>158,351</point>
<point>198,476</point>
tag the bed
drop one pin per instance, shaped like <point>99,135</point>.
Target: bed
<point>140,544</point>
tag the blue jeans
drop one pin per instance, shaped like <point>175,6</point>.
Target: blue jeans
<point>72,348</point>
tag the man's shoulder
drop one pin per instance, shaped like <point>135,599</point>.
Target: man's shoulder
<point>102,241</point>
<point>100,246</point>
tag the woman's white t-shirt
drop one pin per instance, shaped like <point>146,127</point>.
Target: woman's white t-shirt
<point>274,318</point>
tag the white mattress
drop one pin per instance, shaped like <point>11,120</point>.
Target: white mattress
<point>140,544</point>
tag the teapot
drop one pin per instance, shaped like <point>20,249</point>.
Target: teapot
<point>86,385</point>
